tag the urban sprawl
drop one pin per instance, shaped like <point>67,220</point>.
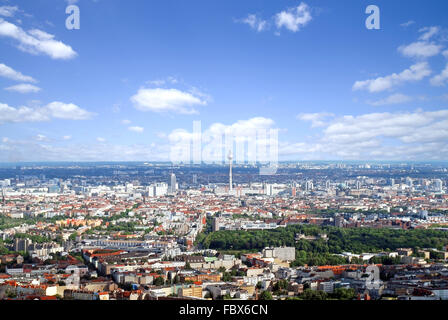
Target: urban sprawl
<point>155,231</point>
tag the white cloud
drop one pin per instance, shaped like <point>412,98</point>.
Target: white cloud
<point>199,94</point>
<point>136,129</point>
<point>54,110</point>
<point>242,128</point>
<point>126,122</point>
<point>397,98</point>
<point>445,53</point>
<point>68,111</point>
<point>12,74</point>
<point>162,82</point>
<point>21,114</point>
<point>440,79</point>
<point>428,32</point>
<point>294,18</point>
<point>166,100</point>
<point>420,49</point>
<point>41,137</point>
<point>407,24</point>
<point>213,141</point>
<point>8,11</point>
<point>415,135</point>
<point>24,88</point>
<point>316,119</point>
<point>400,125</point>
<point>32,150</point>
<point>384,136</point>
<point>66,137</point>
<point>36,41</point>
<point>415,73</point>
<point>172,80</point>
<point>255,22</point>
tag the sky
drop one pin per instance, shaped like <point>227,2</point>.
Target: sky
<point>129,83</point>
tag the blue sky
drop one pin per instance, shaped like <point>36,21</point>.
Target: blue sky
<point>131,81</point>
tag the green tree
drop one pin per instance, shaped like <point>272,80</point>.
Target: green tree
<point>73,236</point>
<point>343,294</point>
<point>226,277</point>
<point>11,294</point>
<point>158,281</point>
<point>309,294</point>
<point>265,295</point>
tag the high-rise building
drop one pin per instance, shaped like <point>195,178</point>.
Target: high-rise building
<point>22,244</point>
<point>268,189</point>
<point>173,184</point>
<point>230,157</point>
<point>424,214</point>
<point>157,190</point>
<point>309,186</point>
<point>129,187</point>
<point>339,221</point>
<point>438,185</point>
<point>195,179</point>
<point>215,224</point>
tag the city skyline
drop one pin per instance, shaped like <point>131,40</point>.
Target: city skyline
<point>138,232</point>
<point>132,80</point>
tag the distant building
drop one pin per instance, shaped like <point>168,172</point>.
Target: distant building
<point>173,183</point>
<point>192,291</point>
<point>424,214</point>
<point>157,190</point>
<point>404,252</point>
<point>309,186</point>
<point>22,244</point>
<point>281,253</point>
<point>438,185</point>
<point>339,221</point>
<point>215,224</point>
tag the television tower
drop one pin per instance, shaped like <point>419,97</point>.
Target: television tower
<point>230,157</point>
